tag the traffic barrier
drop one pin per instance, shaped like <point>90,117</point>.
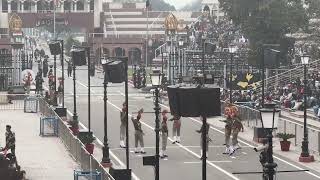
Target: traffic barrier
<point>48,126</point>
<point>30,104</point>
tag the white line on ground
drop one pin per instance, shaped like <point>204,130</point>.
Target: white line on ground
<point>276,157</point>
<point>175,147</point>
<point>111,153</point>
<point>190,151</point>
<point>198,162</point>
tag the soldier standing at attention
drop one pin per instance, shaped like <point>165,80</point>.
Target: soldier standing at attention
<point>123,125</point>
<point>164,131</point>
<point>176,129</point>
<point>138,135</point>
<point>207,127</point>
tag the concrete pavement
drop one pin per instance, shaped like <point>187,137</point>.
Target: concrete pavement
<point>183,161</point>
<point>43,158</point>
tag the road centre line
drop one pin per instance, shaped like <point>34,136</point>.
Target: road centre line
<point>190,151</point>
<point>276,157</point>
<point>111,153</point>
<point>195,120</point>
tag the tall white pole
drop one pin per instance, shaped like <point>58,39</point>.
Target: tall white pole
<point>147,41</point>
<point>54,20</point>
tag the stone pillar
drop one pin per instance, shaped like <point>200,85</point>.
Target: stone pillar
<point>88,6</point>
<point>36,6</point>
<point>22,6</point>
<point>9,6</point>
<point>62,6</point>
<point>75,6</point>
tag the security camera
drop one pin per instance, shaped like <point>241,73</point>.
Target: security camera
<point>260,148</point>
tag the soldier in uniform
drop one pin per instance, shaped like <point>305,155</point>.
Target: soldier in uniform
<point>236,128</point>
<point>69,69</point>
<point>10,140</point>
<point>228,127</point>
<point>164,134</point>
<point>176,129</point>
<point>138,135</point>
<point>207,127</point>
<point>39,81</point>
<point>123,125</point>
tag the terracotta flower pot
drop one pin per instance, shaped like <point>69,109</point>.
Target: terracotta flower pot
<point>285,145</point>
<point>90,148</point>
<point>75,130</point>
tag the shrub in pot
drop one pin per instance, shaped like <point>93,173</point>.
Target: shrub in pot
<point>87,140</point>
<point>285,144</point>
<point>74,126</point>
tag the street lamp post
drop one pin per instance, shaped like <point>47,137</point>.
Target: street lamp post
<point>156,79</point>
<point>105,150</point>
<point>232,50</point>
<point>305,156</point>
<point>269,119</point>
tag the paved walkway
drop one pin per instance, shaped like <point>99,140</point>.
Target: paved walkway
<point>43,158</point>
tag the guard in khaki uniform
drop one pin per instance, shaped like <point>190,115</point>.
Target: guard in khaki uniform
<point>229,113</point>
<point>236,128</point>
<point>176,129</point>
<point>138,135</point>
<point>207,127</point>
<point>164,134</point>
<point>123,125</point>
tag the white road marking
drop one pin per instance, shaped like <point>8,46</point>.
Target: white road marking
<point>276,157</point>
<point>186,149</point>
<point>198,162</point>
<point>111,153</point>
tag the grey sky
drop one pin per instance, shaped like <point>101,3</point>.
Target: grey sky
<point>178,3</point>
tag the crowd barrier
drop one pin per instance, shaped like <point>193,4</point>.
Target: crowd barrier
<point>73,144</point>
<point>251,118</point>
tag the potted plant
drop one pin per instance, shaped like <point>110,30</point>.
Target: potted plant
<point>74,126</point>
<point>87,141</point>
<point>285,144</point>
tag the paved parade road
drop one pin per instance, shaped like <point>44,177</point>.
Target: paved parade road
<point>183,162</point>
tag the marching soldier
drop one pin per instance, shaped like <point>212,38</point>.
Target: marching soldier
<point>123,125</point>
<point>10,140</point>
<point>69,69</point>
<point>176,129</point>
<point>236,128</point>
<point>138,135</point>
<point>39,81</point>
<point>164,131</point>
<point>207,127</point>
<point>228,127</point>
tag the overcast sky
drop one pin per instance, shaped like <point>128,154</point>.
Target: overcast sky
<point>178,3</point>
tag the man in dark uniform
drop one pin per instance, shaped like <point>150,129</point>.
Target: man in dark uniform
<point>207,127</point>
<point>138,135</point>
<point>39,81</point>
<point>164,134</point>
<point>10,140</point>
<point>123,125</point>
<point>69,69</point>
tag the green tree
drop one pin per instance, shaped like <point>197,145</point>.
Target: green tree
<point>266,22</point>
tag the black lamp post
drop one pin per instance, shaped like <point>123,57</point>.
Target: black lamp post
<point>269,119</point>
<point>232,50</point>
<point>105,150</point>
<point>156,79</point>
<point>305,156</point>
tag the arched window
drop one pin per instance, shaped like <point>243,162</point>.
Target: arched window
<point>67,6</point>
<point>80,6</point>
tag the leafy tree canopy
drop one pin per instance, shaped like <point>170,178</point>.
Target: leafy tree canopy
<point>266,22</point>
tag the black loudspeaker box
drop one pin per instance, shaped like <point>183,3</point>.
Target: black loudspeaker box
<point>55,48</point>
<point>78,57</point>
<point>193,101</point>
<point>210,48</point>
<point>116,72</point>
<point>62,112</point>
<point>120,174</point>
<point>149,160</point>
<point>271,58</point>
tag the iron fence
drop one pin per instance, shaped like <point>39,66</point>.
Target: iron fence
<point>73,144</point>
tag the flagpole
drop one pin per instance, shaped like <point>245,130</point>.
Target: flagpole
<point>54,20</point>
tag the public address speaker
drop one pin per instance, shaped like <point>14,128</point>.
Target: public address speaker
<point>55,48</point>
<point>116,72</point>
<point>193,101</point>
<point>78,57</point>
<point>120,174</point>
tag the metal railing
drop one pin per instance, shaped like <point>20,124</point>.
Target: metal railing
<point>12,101</point>
<point>251,118</point>
<point>73,144</point>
